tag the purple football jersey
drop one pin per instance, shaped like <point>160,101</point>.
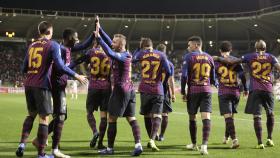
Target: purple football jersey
<point>59,79</point>
<point>100,67</point>
<point>122,72</point>
<point>227,77</point>
<point>151,71</point>
<point>260,67</point>
<point>39,64</point>
<point>200,68</point>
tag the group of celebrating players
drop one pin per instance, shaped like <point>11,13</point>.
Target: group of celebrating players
<point>48,65</point>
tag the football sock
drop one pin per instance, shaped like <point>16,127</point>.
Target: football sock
<point>135,130</point>
<point>258,129</point>
<point>205,130</point>
<point>58,126</point>
<point>270,125</point>
<point>91,122</point>
<point>148,125</point>
<point>230,127</point>
<point>102,129</point>
<point>164,123</point>
<point>155,126</point>
<point>111,134</point>
<point>26,129</point>
<point>42,136</point>
<point>193,130</point>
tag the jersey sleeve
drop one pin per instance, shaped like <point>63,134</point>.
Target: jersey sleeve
<point>136,56</point>
<point>84,45</point>
<point>166,66</point>
<point>106,38</point>
<point>213,78</point>
<point>184,77</point>
<point>274,60</point>
<point>245,58</point>
<point>171,69</point>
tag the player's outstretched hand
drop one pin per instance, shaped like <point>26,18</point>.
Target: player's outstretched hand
<point>96,34</point>
<point>82,79</point>
<point>96,19</point>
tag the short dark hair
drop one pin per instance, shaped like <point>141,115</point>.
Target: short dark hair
<point>161,47</point>
<point>196,39</point>
<point>43,27</point>
<point>67,33</point>
<point>226,46</point>
<point>146,42</point>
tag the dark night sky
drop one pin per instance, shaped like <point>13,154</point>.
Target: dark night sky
<point>143,6</point>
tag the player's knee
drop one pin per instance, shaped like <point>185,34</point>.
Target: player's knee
<point>192,117</point>
<point>157,115</point>
<point>61,117</point>
<point>257,116</point>
<point>227,115</point>
<point>112,119</point>
<point>205,115</point>
<point>103,114</point>
<point>44,119</point>
<point>164,114</point>
<point>129,119</point>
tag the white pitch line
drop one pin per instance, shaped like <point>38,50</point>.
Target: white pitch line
<point>241,119</point>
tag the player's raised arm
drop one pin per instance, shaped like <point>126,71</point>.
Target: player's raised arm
<point>83,45</point>
<point>102,33</point>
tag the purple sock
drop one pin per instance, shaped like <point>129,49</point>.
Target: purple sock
<point>111,134</point>
<point>26,129</point>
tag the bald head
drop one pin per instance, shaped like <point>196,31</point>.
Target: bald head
<point>260,45</point>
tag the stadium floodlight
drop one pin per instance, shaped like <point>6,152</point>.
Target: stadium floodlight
<point>126,26</point>
<point>168,27</point>
<point>0,21</point>
<point>278,40</point>
<point>255,25</point>
<point>10,35</point>
<point>210,26</point>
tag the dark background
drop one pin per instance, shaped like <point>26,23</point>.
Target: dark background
<point>143,6</point>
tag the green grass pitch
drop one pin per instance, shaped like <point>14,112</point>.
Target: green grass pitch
<point>76,134</point>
